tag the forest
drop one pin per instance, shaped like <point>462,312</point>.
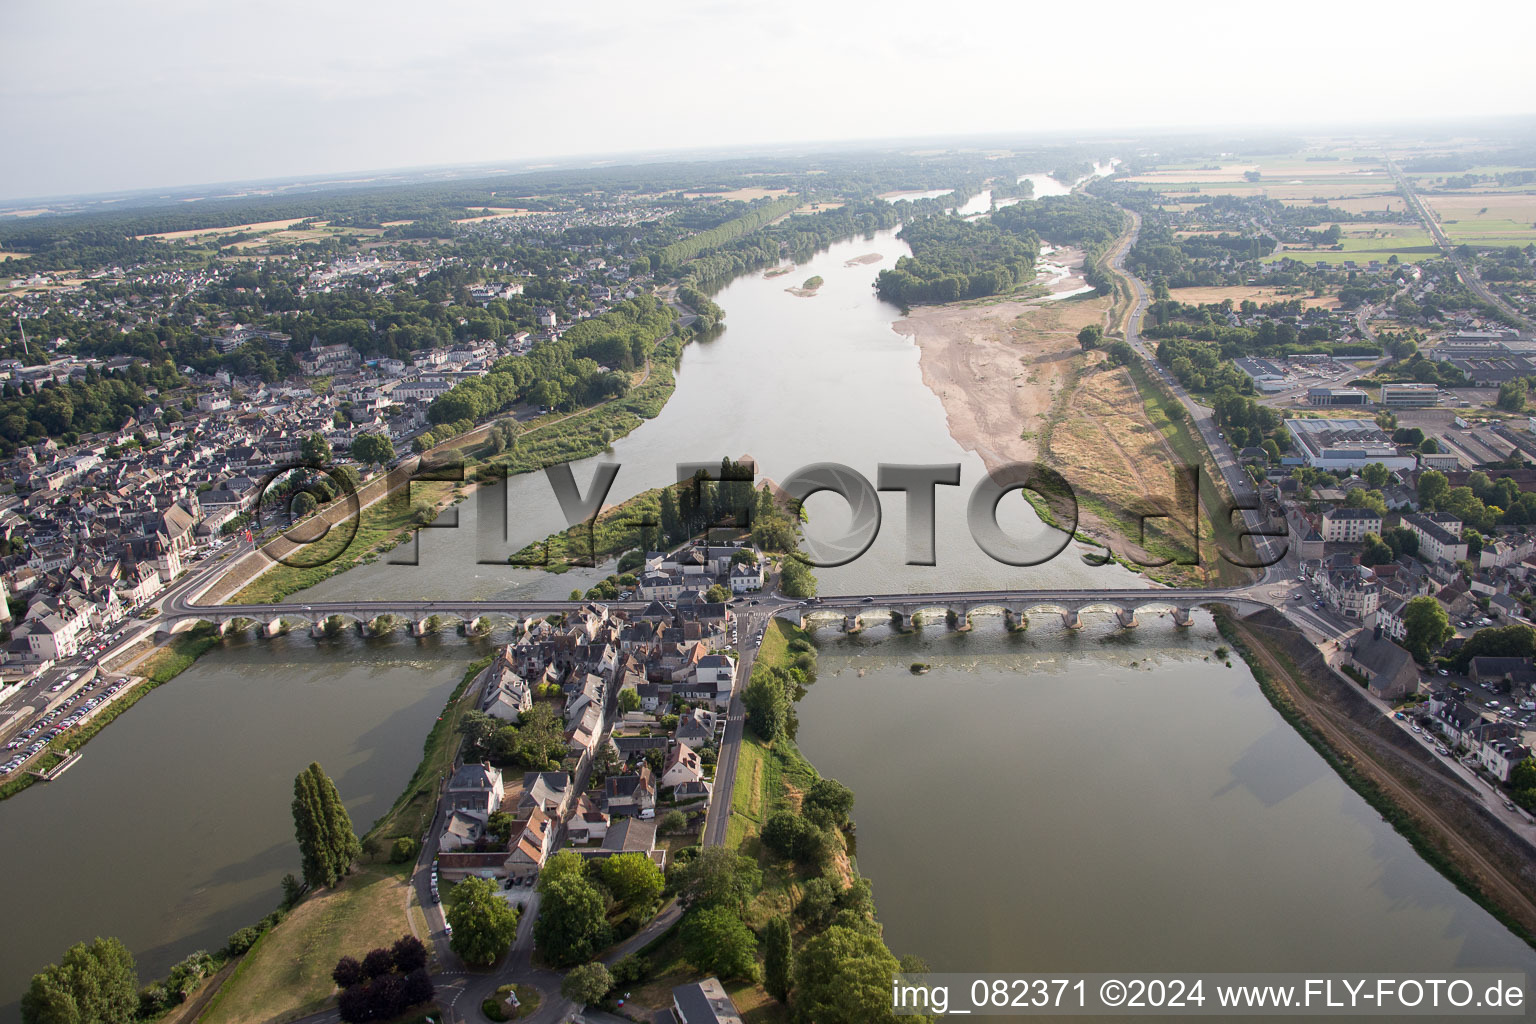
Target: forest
<point>87,405</point>
<point>589,364</point>
<point>953,258</point>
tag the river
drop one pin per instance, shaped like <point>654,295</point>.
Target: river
<point>1096,801</point>
<point>1095,785</point>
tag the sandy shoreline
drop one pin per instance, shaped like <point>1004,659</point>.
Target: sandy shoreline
<point>1017,387</point>
<point>997,366</point>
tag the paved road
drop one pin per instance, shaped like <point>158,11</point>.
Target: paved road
<point>1468,273</point>
<point>1269,550</point>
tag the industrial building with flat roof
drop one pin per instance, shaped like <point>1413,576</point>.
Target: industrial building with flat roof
<point>1410,396</point>
<point>1346,444</point>
<point>1337,396</point>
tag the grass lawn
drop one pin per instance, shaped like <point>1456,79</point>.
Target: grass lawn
<point>287,974</point>
<point>379,528</point>
<point>1164,415</point>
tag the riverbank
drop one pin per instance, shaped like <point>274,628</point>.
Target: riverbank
<point>165,663</point>
<point>1414,794</point>
<point>773,776</point>
<point>287,973</point>
<point>387,517</point>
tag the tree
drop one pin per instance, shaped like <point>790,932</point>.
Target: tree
<point>790,835</point>
<point>1090,337</point>
<point>378,963</point>
<point>830,800</point>
<point>587,984</point>
<point>671,823</point>
<point>327,844</point>
<point>409,954</point>
<point>632,878</point>
<point>564,864</point>
<point>572,925</point>
<point>1512,394</point>
<point>347,972</point>
<point>1427,627</point>
<point>629,700</point>
<point>1374,551</point>
<point>301,505</point>
<point>716,942</point>
<point>292,890</point>
<point>843,976</point>
<point>796,578</point>
<point>778,957</point>
<point>1375,475</point>
<point>719,593</point>
<point>315,450</point>
<point>484,924</point>
<point>719,877</point>
<point>1433,487</point>
<point>373,449</point>
<point>767,705</point>
<point>92,984</point>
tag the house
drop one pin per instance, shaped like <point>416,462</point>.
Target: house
<point>1389,618</point>
<point>703,1002</point>
<point>476,788</point>
<point>550,792</point>
<point>718,672</point>
<point>1353,592</point>
<point>697,727</point>
<point>588,822</point>
<point>746,577</point>
<point>682,765</point>
<point>1439,536</point>
<point>1349,525</point>
<point>631,795</point>
<point>1388,669</point>
<point>1501,756</point>
<point>630,835</point>
<point>1455,722</point>
<point>507,694</point>
<point>464,829</point>
<point>530,845</point>
<point>1502,672</point>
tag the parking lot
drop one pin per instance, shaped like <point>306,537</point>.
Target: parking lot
<point>59,700</point>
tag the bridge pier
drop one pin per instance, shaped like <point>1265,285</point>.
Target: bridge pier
<point>901,622</point>
<point>850,623</point>
<point>1072,619</point>
<point>1126,617</point>
<point>271,629</point>
<point>1015,621</point>
<point>1181,617</point>
<point>959,621</point>
<point>317,630</point>
<point>224,628</point>
<point>477,626</point>
<point>421,627</point>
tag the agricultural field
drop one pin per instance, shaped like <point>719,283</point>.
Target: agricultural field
<point>1486,218</point>
<point>1239,293</point>
<point>262,226</point>
<point>1410,243</point>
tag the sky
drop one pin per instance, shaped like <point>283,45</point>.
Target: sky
<point>101,95</point>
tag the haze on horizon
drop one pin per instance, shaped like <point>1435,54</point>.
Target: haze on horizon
<point>106,96</point>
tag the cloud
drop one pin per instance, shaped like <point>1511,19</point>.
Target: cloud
<point>105,95</point>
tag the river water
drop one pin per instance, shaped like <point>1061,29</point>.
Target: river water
<point>1084,791</point>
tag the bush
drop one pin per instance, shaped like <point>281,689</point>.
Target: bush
<point>404,850</point>
<point>242,941</point>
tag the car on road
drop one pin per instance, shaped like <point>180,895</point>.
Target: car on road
<point>1491,704</point>
<point>1417,729</point>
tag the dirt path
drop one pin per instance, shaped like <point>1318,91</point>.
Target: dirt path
<point>1469,858</point>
